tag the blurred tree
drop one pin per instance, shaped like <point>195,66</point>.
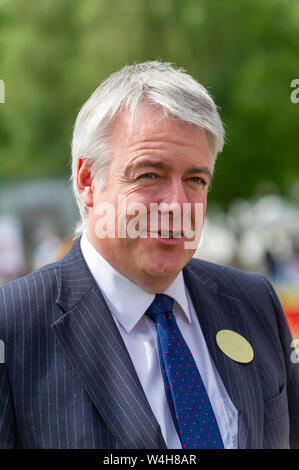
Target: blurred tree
<point>54,53</point>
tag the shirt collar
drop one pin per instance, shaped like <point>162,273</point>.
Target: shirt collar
<point>126,300</point>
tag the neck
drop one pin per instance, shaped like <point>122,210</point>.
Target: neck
<point>152,285</point>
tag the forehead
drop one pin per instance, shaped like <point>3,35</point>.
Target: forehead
<point>150,131</point>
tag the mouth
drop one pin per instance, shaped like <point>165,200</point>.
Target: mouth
<point>168,237</point>
<point>169,234</point>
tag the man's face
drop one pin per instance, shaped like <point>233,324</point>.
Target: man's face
<point>153,161</point>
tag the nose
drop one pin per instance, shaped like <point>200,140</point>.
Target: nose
<point>174,193</point>
<point>172,198</point>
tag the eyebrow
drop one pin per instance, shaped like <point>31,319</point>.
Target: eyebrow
<point>165,166</point>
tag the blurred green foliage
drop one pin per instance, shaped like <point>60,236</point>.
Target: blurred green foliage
<point>54,53</point>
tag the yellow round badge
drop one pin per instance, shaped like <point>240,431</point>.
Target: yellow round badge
<point>235,346</point>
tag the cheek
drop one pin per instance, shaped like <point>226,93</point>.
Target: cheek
<point>140,196</point>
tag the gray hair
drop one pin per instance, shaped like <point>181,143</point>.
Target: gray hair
<point>159,84</point>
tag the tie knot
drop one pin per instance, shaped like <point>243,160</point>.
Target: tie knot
<point>161,304</point>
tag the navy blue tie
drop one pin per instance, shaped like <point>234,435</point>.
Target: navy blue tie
<point>188,400</point>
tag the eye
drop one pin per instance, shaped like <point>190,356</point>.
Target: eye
<point>148,176</point>
<point>197,180</point>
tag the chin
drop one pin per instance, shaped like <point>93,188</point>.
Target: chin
<point>162,268</point>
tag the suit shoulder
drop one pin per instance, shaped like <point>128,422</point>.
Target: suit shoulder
<point>49,271</point>
<point>227,278</point>
<point>29,292</point>
<point>253,289</point>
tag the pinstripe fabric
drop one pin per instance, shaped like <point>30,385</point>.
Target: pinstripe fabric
<point>68,381</point>
<point>265,391</point>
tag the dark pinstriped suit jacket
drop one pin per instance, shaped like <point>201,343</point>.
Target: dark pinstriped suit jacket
<point>68,381</point>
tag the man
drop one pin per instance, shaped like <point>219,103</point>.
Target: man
<point>127,342</point>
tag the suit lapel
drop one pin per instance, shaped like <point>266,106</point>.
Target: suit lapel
<point>217,311</point>
<point>94,347</point>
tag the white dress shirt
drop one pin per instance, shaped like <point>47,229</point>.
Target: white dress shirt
<point>127,303</point>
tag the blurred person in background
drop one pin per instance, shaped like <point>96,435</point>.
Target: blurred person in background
<point>117,345</point>
<point>46,247</point>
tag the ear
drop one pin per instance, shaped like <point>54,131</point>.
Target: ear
<point>84,182</point>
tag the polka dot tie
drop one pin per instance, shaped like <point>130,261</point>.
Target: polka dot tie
<point>188,400</point>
